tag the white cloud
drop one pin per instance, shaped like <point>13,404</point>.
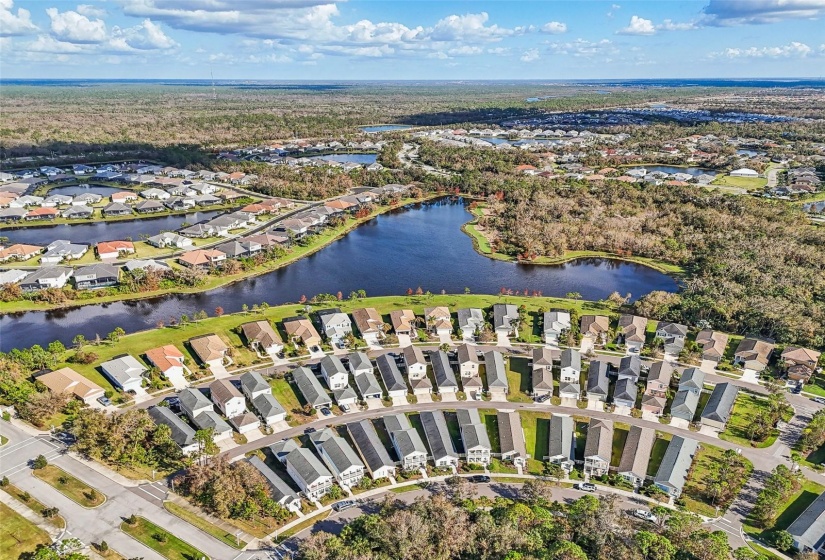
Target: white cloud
<point>638,26</point>
<point>744,12</point>
<point>554,28</point>
<point>11,23</point>
<point>582,48</point>
<point>90,11</point>
<point>530,55</point>
<point>670,25</point>
<point>146,36</point>
<point>469,27</point>
<point>48,44</point>
<point>613,8</point>
<point>794,49</point>
<point>73,27</point>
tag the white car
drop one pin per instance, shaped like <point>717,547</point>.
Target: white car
<point>644,514</point>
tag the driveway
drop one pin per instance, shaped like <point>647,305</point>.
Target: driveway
<point>502,339</point>
<point>404,340</point>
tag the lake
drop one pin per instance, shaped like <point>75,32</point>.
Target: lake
<point>363,159</point>
<point>384,128</point>
<point>92,232</point>
<point>672,170</point>
<point>74,190</point>
<point>420,245</point>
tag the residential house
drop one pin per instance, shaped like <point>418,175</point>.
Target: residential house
<point>371,450</point>
<point>630,367</point>
<point>211,420</point>
<point>800,362</point>
<point>359,362</point>
<point>280,490</point>
<point>125,372</point>
<point>182,434</point>
<point>335,324</point>
<point>60,250</point>
<point>391,376</point>
<point>467,361</point>
<point>169,239</point>
<point>441,446</point>
<point>673,336</point>
<point>571,366</point>
<point>369,323</point>
<point>719,407</point>
<point>193,403</point>
<point>86,199</point>
<point>632,330</point>
<point>505,319</point>
<point>202,259</point>
<point>42,214</point>
<point>511,438</point>
<point>638,448</point>
<point>12,276</point>
<point>57,200</point>
<point>598,447</point>
<point>269,409</point>
<point>556,324</point>
<point>169,360</point>
<point>155,194</point>
<point>713,344</point>
<point>542,374</point>
<point>209,349</point>
<point>417,371</point>
<point>403,322</point>
<point>339,457</point>
<point>78,213</point>
<point>300,329</point>
<point>443,373</point>
<point>597,381</point>
<point>654,399</point>
<point>808,530</point>
<point>312,391</point>
<point>99,275</point>
<point>260,336</point>
<point>561,448</point>
<point>200,231</point>
<point>227,398</point>
<point>345,396</point>
<point>145,265</point>
<point>67,380</point>
<point>438,321</point>
<point>19,252</point>
<point>496,372</point>
<point>594,328</point>
<point>675,465</point>
<point>117,209</point>
<point>46,277</point>
<point>693,380</point>
<point>334,372</point>
<point>239,249</point>
<point>12,214</point>
<point>684,405</point>
<point>477,448</point>
<point>405,440</point>
<point>114,249</point>
<point>253,385</point>
<point>470,323</point>
<point>365,379</point>
<point>625,392</point>
<point>149,207</point>
<point>311,476</point>
<point>124,196</point>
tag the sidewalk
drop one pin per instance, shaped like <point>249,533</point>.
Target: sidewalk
<point>27,512</point>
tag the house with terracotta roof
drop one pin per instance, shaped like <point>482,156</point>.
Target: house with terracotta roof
<point>19,252</point>
<point>42,214</point>
<point>202,259</point>
<point>113,249</point>
<point>169,360</point>
<point>67,380</point>
<point>209,349</point>
<point>339,205</point>
<point>124,196</point>
<point>800,362</point>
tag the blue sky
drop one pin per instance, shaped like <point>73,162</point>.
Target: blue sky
<point>422,39</point>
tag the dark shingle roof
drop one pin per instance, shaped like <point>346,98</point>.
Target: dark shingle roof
<point>369,445</point>
<point>438,435</point>
<point>182,433</point>
<point>720,403</point>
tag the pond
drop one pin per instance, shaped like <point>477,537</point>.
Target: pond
<point>93,232</point>
<point>672,170</point>
<point>384,128</point>
<point>363,159</point>
<point>420,245</point>
<point>74,190</point>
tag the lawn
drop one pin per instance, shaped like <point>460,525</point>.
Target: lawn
<point>497,466</point>
<point>744,410</point>
<point>748,183</point>
<point>312,520</point>
<point>18,535</point>
<point>34,505</point>
<point>619,439</point>
<point>70,486</point>
<point>537,438</point>
<point>693,492</point>
<point>3,440</point>
<point>490,419</point>
<point>658,452</point>
<point>161,541</point>
<point>816,457</point>
<point>227,537</point>
<point>289,398</point>
<point>790,510</point>
<point>518,377</point>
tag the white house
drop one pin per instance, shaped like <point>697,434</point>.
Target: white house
<point>334,373</point>
<point>556,323</point>
<point>227,398</point>
<point>744,172</point>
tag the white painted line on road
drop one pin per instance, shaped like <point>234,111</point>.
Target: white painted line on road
<point>25,465</point>
<point>736,533</point>
<point>16,446</point>
<point>142,489</point>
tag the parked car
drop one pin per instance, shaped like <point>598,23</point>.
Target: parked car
<point>104,401</point>
<point>345,407</point>
<point>310,431</point>
<point>586,486</point>
<point>820,400</point>
<point>344,505</point>
<point>480,478</point>
<point>644,514</point>
<point>326,412</point>
<point>543,398</point>
<point>798,389</point>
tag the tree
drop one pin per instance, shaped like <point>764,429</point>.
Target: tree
<point>206,442</point>
<point>573,295</point>
<point>653,546</point>
<point>536,492</point>
<point>219,311</point>
<point>40,462</point>
<point>115,335</point>
<point>79,341</point>
<point>782,540</point>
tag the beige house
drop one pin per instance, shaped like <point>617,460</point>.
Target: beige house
<point>632,331</point>
<point>595,327</point>
<point>713,344</point>
<point>209,349</point>
<point>800,362</point>
<point>438,320</point>
<point>369,323</point>
<point>261,336</point>
<point>403,321</point>
<point>300,329</point>
<point>67,380</point>
<point>753,353</point>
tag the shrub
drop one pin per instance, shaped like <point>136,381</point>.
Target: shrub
<point>4,481</point>
<point>40,462</point>
<point>555,401</point>
<point>132,519</point>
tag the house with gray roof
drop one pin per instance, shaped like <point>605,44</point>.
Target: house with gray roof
<point>442,371</point>
<point>281,492</point>
<point>391,376</point>
<point>625,392</point>
<point>477,448</point>
<point>117,209</point>
<point>405,440</point>
<point>359,362</point>
<point>636,454</point>
<point>693,380</point>
<point>675,465</point>
<point>720,406</point>
<point>542,372</point>
<point>597,381</point>
<point>194,402</point>
<point>808,530</point>
<point>334,372</point>
<point>254,384</point>
<point>367,384</point>
<point>182,433</point>
<point>311,476</point>
<point>99,275</point>
<point>505,319</point>
<point>371,450</point>
<point>673,335</point>
<point>339,457</point>
<point>345,396</point>
<point>571,366</point>
<point>335,325</point>
<point>60,250</point>
<point>78,212</point>
<point>467,358</point>
<point>441,446</point>
<point>169,239</point>
<point>125,372</point>
<point>511,437</point>
<point>630,367</point>
<point>310,388</point>
<point>684,405</point>
<point>556,323</point>
<point>496,373</point>
<point>470,321</point>
<point>212,420</point>
<point>46,277</point>
<point>598,447</point>
<point>561,448</point>
<point>269,409</point>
